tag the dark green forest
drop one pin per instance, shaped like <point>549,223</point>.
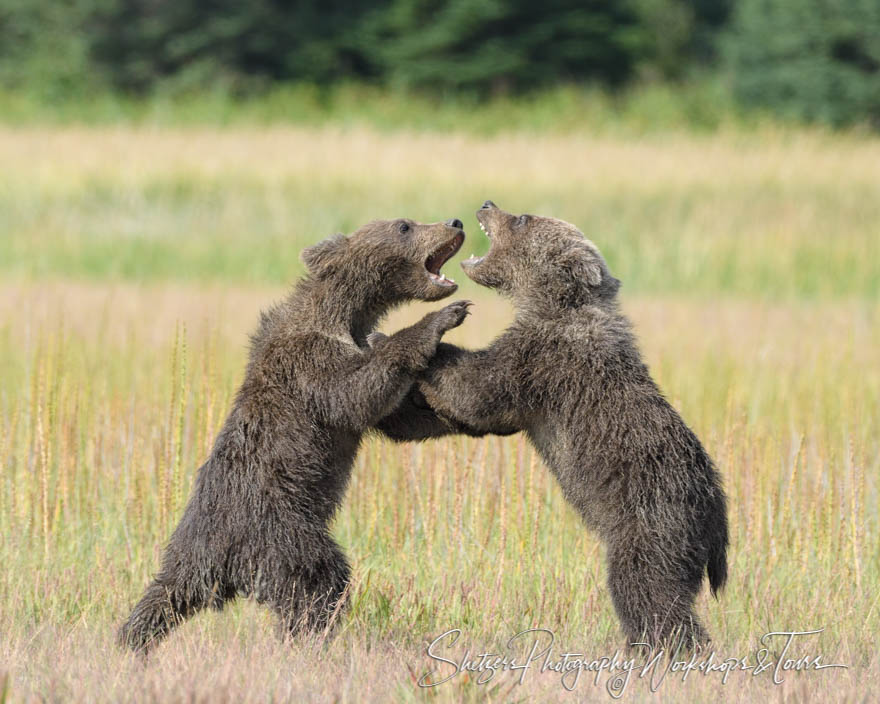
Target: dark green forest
<point>812,60</point>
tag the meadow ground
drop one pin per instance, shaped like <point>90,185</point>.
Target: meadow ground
<point>134,263</point>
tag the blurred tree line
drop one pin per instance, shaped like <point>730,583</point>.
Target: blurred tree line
<point>814,59</point>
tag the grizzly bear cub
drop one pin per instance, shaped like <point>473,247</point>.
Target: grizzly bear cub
<point>568,373</point>
<point>257,521</point>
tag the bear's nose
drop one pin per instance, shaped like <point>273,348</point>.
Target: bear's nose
<point>488,204</point>
<point>456,223</point>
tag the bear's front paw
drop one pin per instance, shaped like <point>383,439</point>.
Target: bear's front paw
<point>451,316</point>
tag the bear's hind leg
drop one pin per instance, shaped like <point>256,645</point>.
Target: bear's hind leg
<point>308,593</point>
<point>654,596</point>
<point>164,606</point>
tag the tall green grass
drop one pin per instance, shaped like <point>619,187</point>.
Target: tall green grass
<point>704,105</point>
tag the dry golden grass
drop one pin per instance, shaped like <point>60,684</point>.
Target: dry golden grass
<point>271,155</point>
<point>111,396</point>
<point>784,214</point>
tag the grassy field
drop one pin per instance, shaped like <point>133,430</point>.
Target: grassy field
<point>703,104</point>
<point>776,214</point>
<point>134,261</point>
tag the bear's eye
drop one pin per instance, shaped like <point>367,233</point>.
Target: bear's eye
<point>403,227</point>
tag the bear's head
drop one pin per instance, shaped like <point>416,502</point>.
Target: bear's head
<point>534,258</point>
<point>399,259</point>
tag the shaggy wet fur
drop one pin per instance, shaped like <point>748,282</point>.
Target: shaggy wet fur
<point>257,521</point>
<point>568,373</point>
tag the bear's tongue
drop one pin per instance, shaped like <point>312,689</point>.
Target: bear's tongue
<point>439,258</point>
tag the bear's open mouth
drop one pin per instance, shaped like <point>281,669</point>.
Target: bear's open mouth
<point>440,257</point>
<point>474,260</point>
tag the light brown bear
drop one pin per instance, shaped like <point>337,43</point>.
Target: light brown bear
<point>568,373</point>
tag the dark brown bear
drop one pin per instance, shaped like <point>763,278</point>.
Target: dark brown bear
<point>257,521</point>
<point>568,373</point>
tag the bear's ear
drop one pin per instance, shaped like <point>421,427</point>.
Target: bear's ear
<point>319,257</point>
<point>582,265</point>
<point>583,275</point>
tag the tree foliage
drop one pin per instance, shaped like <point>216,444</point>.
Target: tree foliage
<point>142,42</point>
<point>481,46</point>
<point>811,59</point>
